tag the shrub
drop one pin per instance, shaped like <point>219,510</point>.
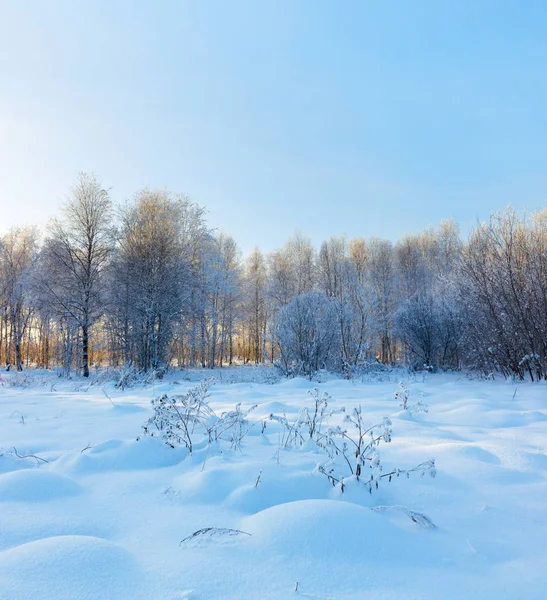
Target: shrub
<point>178,419</point>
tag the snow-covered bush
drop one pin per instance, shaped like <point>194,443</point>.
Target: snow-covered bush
<point>308,424</point>
<point>369,370</point>
<point>177,420</point>
<point>354,454</point>
<point>128,376</point>
<point>236,374</point>
<point>307,335</point>
<point>101,377</point>
<point>27,379</point>
<point>232,426</point>
<point>349,452</point>
<point>430,326</point>
<point>402,395</point>
<point>502,289</point>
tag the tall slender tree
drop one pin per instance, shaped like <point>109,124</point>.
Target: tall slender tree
<point>18,250</point>
<point>74,258</point>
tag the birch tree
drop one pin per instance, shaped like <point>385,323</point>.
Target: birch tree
<point>18,251</point>
<point>74,258</point>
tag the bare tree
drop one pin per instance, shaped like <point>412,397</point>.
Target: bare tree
<point>155,273</point>
<point>307,335</point>
<point>255,306</point>
<point>503,288</point>
<point>383,280</point>
<point>73,260</point>
<point>18,250</point>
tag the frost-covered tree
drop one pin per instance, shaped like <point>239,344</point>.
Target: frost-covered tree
<point>358,316</point>
<point>70,279</point>
<point>156,287</point>
<point>344,277</point>
<point>230,294</point>
<point>281,284</point>
<point>430,327</point>
<point>359,258</point>
<point>307,335</point>
<point>302,257</point>
<point>503,289</point>
<point>333,262</point>
<point>255,308</point>
<point>383,280</point>
<point>220,278</point>
<point>152,277</point>
<point>18,252</point>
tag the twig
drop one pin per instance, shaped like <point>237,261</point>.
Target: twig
<point>214,531</point>
<point>20,414</point>
<point>205,458</point>
<point>111,402</point>
<point>258,479</point>
<point>37,458</point>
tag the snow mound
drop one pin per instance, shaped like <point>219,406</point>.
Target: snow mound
<point>278,487</point>
<point>331,529</point>
<point>35,485</point>
<point>120,455</point>
<point>69,567</point>
<point>464,452</point>
<point>210,486</point>
<point>9,463</point>
<point>236,486</point>
<point>472,411</point>
<point>275,407</point>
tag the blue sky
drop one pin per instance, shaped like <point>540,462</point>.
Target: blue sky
<point>357,117</point>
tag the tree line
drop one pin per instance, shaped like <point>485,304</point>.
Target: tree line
<point>149,284</point>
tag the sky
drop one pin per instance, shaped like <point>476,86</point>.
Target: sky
<point>369,118</point>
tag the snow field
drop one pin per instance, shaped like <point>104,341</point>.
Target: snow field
<point>105,516</point>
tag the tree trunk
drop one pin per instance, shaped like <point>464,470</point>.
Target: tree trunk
<point>18,361</point>
<point>85,350</point>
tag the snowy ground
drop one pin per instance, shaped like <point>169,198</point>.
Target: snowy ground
<point>107,522</point>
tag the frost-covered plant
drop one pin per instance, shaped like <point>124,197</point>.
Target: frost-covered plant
<point>308,424</point>
<point>291,430</point>
<point>421,520</point>
<point>360,459</point>
<point>359,450</point>
<point>154,375</point>
<point>402,395</point>
<point>237,374</point>
<point>232,426</point>
<point>27,379</point>
<point>315,418</point>
<point>102,377</point>
<point>175,418</point>
<point>209,533</point>
<point>418,406</point>
<point>128,376</point>
<point>178,419</point>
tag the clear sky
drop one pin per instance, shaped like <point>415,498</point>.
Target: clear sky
<point>359,117</point>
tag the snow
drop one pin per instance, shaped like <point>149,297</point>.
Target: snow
<point>111,517</point>
<point>36,486</point>
<point>67,567</point>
